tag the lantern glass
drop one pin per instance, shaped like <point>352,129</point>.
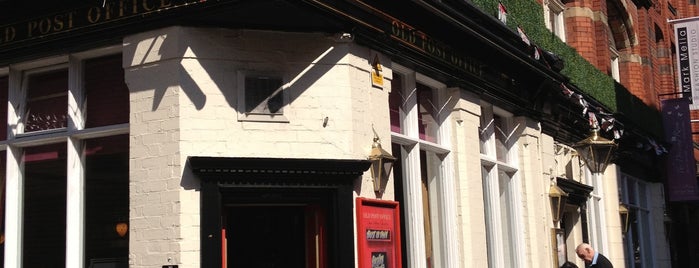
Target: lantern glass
<point>624,214</point>
<point>381,165</point>
<point>558,202</point>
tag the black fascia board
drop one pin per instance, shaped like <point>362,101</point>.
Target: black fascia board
<point>489,30</point>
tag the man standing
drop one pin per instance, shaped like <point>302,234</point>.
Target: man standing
<point>592,258</point>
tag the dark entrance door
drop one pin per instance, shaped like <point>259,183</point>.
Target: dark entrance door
<point>263,212</point>
<point>270,236</point>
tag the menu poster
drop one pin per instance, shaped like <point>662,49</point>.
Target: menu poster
<point>378,233</point>
<point>378,260</point>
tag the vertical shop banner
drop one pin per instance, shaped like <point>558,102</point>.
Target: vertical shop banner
<point>687,45</point>
<point>378,233</point>
<point>681,165</point>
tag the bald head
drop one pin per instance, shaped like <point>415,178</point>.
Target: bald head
<point>585,252</point>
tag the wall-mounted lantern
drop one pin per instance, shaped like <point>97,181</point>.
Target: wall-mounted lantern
<point>624,214</point>
<point>381,163</point>
<point>596,151</point>
<point>558,202</point>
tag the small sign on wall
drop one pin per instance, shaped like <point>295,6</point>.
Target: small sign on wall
<point>378,233</point>
<point>376,73</point>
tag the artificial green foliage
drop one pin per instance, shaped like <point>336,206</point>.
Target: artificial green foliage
<point>529,15</point>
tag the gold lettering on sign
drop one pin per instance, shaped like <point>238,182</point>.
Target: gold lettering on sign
<point>94,14</point>
<point>146,7</point>
<point>8,34</point>
<point>51,24</point>
<point>165,3</point>
<point>86,16</point>
<point>422,42</point>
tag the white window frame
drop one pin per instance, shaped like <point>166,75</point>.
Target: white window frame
<point>243,115</point>
<point>441,182</point>
<point>73,136</point>
<point>614,61</point>
<point>555,19</point>
<point>640,204</point>
<point>495,223</point>
<point>596,212</point>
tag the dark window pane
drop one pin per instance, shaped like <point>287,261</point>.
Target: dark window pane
<point>427,126</point>
<point>44,206</point>
<point>3,107</point>
<point>395,100</point>
<point>258,95</point>
<point>106,92</point>
<point>107,198</point>
<point>3,157</point>
<point>47,101</point>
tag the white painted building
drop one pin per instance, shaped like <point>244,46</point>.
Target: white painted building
<point>248,148</point>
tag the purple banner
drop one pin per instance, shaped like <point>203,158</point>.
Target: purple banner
<point>681,166</point>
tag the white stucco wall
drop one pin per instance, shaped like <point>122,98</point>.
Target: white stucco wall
<point>183,84</point>
<point>469,193</point>
<point>184,90</point>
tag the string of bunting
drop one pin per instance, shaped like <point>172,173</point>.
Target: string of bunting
<point>596,116</point>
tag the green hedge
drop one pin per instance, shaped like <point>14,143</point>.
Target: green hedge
<point>528,14</point>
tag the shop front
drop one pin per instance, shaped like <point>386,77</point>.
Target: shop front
<point>240,134</point>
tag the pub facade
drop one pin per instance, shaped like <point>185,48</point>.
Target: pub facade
<point>241,134</point>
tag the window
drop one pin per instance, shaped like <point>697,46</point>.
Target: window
<point>262,97</point>
<point>424,183</point>
<point>501,186</point>
<point>3,136</point>
<point>45,184</point>
<point>639,247</point>
<point>555,22</point>
<point>596,212</point>
<point>614,72</point>
<point>68,134</point>
<point>47,100</point>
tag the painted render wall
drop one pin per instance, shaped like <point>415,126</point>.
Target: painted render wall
<point>183,84</point>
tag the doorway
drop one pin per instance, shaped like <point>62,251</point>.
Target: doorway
<point>274,235</point>
<point>260,212</point>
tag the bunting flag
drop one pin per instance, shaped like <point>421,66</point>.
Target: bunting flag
<point>566,91</point>
<point>592,118</point>
<point>596,116</point>
<point>537,55</point>
<point>618,133</point>
<point>607,123</point>
<point>583,103</point>
<point>524,37</point>
<point>502,13</point>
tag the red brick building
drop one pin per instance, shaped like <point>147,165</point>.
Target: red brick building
<point>633,42</point>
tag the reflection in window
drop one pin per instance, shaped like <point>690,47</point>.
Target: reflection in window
<point>107,196</point>
<point>44,225</point>
<point>426,113</point>
<point>395,101</point>
<point>4,87</point>
<point>47,101</point>
<point>106,92</point>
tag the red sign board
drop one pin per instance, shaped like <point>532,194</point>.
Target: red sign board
<point>378,233</point>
